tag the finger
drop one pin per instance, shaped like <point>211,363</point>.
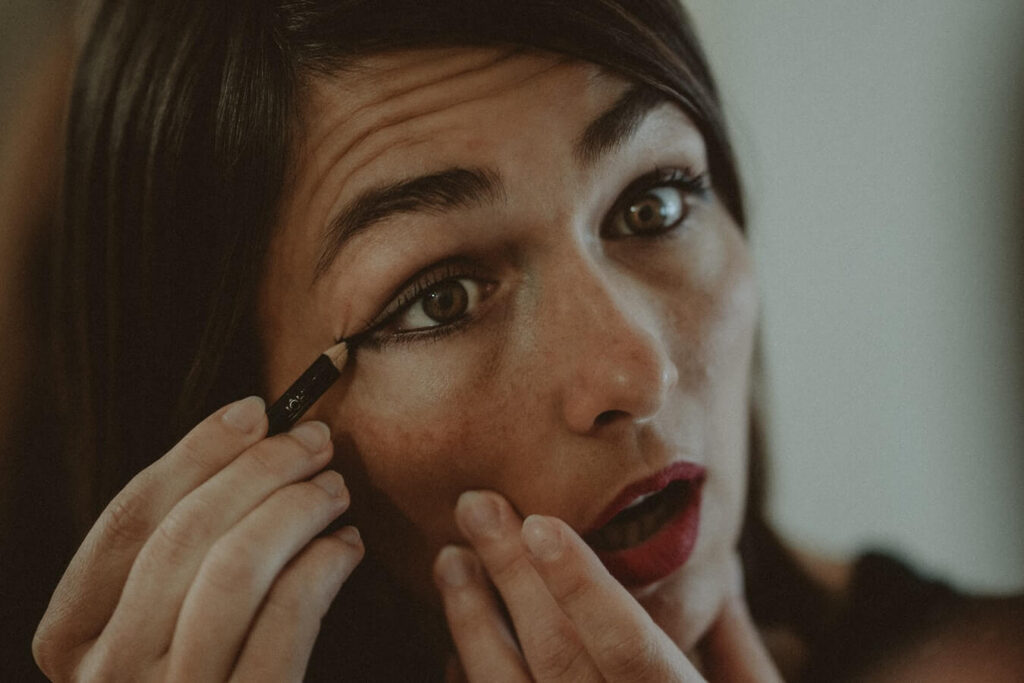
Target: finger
<point>281,640</point>
<point>622,639</point>
<point>733,649</point>
<point>239,570</point>
<point>145,617</point>
<point>549,641</point>
<point>486,647</point>
<point>87,593</point>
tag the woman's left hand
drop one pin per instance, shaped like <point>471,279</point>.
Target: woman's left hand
<point>572,620</point>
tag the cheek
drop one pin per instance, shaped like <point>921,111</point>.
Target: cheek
<point>731,341</point>
<point>424,431</point>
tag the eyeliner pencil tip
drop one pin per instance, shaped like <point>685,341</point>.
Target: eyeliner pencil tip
<point>338,354</point>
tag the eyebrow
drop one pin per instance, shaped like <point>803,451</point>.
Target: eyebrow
<point>464,187</point>
<point>435,193</point>
<point>618,124</point>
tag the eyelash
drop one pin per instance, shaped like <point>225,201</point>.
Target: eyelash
<point>689,183</point>
<point>685,180</point>
<point>409,293</point>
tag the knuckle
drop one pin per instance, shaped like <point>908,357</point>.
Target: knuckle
<point>571,587</point>
<point>57,638</point>
<point>559,658</point>
<point>193,449</point>
<point>336,550</point>
<point>265,461</point>
<point>181,532</point>
<point>306,496</point>
<point>468,610</point>
<point>304,588</point>
<point>214,430</point>
<point>292,601</point>
<point>49,653</point>
<point>504,564</point>
<point>100,665</point>
<point>630,655</point>
<point>276,459</point>
<point>232,569</point>
<point>125,520</point>
<point>290,606</point>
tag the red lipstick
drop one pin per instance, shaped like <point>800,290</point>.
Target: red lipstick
<point>645,542</point>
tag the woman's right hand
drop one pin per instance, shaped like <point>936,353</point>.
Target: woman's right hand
<point>207,565</point>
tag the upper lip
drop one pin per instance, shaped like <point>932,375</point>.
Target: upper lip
<point>677,471</point>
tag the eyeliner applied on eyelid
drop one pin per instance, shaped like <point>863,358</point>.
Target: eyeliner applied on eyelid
<point>447,293</point>
<point>447,296</point>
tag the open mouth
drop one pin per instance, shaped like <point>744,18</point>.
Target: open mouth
<point>641,520</point>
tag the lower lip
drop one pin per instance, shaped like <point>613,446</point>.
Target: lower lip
<point>664,552</point>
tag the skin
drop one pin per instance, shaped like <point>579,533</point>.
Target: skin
<point>212,564</point>
<point>207,565</point>
<point>653,335</point>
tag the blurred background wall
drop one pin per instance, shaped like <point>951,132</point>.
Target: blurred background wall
<point>883,148</point>
<point>883,144</point>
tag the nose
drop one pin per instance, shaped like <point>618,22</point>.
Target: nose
<point>617,365</point>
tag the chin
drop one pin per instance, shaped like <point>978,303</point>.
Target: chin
<point>686,604</point>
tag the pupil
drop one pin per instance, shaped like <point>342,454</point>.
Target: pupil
<point>446,302</point>
<point>647,215</point>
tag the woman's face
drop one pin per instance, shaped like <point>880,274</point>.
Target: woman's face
<point>568,308</point>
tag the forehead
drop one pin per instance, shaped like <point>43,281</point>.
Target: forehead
<point>405,108</point>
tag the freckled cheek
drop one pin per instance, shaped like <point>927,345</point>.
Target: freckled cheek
<point>426,432</point>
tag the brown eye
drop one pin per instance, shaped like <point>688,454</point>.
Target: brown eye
<point>442,304</point>
<point>446,302</point>
<point>657,210</point>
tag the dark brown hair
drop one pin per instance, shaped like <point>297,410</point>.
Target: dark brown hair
<point>178,153</point>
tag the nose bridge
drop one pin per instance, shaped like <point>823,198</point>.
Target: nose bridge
<point>617,363</point>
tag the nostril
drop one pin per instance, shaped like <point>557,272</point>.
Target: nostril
<point>607,417</point>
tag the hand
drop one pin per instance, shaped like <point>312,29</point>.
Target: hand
<point>572,620</point>
<point>205,567</point>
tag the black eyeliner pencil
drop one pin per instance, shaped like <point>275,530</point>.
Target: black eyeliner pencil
<point>310,386</point>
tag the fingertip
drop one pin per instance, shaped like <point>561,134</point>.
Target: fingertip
<point>313,435</point>
<point>455,567</point>
<point>543,538</point>
<point>350,535</point>
<point>479,514</point>
<point>246,416</point>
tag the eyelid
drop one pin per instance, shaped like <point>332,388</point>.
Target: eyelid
<point>409,292</point>
<point>689,182</point>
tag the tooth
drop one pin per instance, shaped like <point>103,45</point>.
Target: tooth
<point>626,533</point>
<point>638,501</point>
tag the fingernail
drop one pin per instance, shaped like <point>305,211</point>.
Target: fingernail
<point>542,538</point>
<point>349,535</point>
<point>313,435</point>
<point>481,515</point>
<point>453,567</point>
<point>330,481</point>
<point>246,415</point>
